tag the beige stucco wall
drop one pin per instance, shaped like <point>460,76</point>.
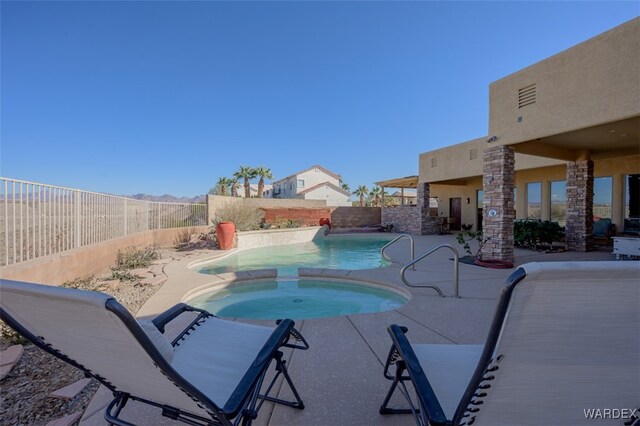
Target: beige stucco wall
<point>446,192</point>
<point>592,83</point>
<point>617,168</point>
<point>455,162</point>
<point>90,260</point>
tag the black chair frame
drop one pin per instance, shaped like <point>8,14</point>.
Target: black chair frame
<point>243,404</point>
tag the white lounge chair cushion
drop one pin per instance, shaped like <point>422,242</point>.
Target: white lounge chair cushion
<point>217,354</point>
<point>449,369</point>
<point>158,339</point>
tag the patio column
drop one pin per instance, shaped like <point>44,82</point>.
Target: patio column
<point>579,205</point>
<point>428,225</point>
<point>497,222</point>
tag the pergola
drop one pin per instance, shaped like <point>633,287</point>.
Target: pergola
<point>402,183</point>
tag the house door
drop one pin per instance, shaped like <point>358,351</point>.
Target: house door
<point>455,212</point>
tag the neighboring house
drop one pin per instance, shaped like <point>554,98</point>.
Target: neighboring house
<point>396,199</point>
<point>314,183</point>
<point>563,145</point>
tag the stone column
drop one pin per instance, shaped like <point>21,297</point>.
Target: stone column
<point>428,225</point>
<point>579,205</point>
<point>499,213</point>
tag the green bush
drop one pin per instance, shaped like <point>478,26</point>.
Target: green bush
<point>532,233</point>
<point>245,218</point>
<point>282,223</point>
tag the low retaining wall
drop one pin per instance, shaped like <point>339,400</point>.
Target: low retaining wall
<point>355,217</point>
<point>90,260</point>
<point>277,237</point>
<point>405,219</point>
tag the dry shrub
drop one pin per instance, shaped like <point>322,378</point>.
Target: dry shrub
<point>245,218</point>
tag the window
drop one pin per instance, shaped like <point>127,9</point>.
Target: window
<point>602,193</point>
<point>632,196</point>
<point>290,186</point>
<point>434,162</point>
<point>534,200</point>
<point>480,206</point>
<point>301,182</point>
<point>559,202</point>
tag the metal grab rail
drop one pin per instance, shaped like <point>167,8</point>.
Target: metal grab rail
<point>412,246</point>
<point>436,288</point>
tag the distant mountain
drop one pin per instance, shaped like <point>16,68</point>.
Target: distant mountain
<point>166,198</point>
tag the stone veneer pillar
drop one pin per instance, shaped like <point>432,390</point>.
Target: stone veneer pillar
<point>499,213</point>
<point>579,224</point>
<point>428,225</point>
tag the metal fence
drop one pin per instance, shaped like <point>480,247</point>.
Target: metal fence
<point>38,220</point>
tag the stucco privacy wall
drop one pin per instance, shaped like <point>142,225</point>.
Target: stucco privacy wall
<point>89,260</point>
<point>592,83</point>
<point>355,217</point>
<point>214,202</point>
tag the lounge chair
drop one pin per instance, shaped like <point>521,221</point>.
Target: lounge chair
<point>211,373</point>
<point>563,347</point>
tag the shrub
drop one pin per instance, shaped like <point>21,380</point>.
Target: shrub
<point>132,258</point>
<point>532,233</point>
<point>245,218</point>
<point>282,223</point>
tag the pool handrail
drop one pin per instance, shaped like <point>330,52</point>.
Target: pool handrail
<point>456,258</point>
<point>412,247</point>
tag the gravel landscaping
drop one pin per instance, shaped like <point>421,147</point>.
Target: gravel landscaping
<point>25,391</point>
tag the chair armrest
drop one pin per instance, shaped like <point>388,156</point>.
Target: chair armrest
<point>428,400</point>
<point>170,314</point>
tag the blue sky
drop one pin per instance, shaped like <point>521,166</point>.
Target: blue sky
<point>165,97</point>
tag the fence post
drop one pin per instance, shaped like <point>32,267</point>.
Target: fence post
<point>78,220</point>
<point>126,218</point>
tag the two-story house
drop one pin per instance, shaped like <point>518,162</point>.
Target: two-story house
<point>314,183</point>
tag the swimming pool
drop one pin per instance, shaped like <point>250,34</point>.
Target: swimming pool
<point>335,252</point>
<point>297,299</point>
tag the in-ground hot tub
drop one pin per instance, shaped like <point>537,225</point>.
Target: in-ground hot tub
<point>298,299</point>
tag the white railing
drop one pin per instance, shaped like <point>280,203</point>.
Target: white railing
<point>39,220</point>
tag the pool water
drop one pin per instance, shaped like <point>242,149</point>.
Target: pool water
<point>339,252</point>
<point>297,299</point>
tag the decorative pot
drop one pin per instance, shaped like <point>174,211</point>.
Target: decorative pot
<point>225,232</point>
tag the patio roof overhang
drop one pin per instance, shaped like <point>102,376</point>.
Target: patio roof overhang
<point>405,182</point>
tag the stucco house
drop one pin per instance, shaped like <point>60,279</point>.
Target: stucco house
<point>313,183</point>
<point>563,145</point>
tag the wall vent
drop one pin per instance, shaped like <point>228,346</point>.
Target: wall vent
<point>434,162</point>
<point>473,154</point>
<point>527,95</point>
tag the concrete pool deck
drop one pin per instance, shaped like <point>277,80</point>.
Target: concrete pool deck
<point>340,377</point>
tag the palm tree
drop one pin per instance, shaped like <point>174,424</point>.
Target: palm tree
<point>247,173</point>
<point>234,185</point>
<point>361,192</point>
<point>345,187</point>
<point>264,173</point>
<point>375,195</point>
<point>221,186</point>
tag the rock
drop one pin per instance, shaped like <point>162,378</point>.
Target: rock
<point>9,358</point>
<point>70,392</point>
